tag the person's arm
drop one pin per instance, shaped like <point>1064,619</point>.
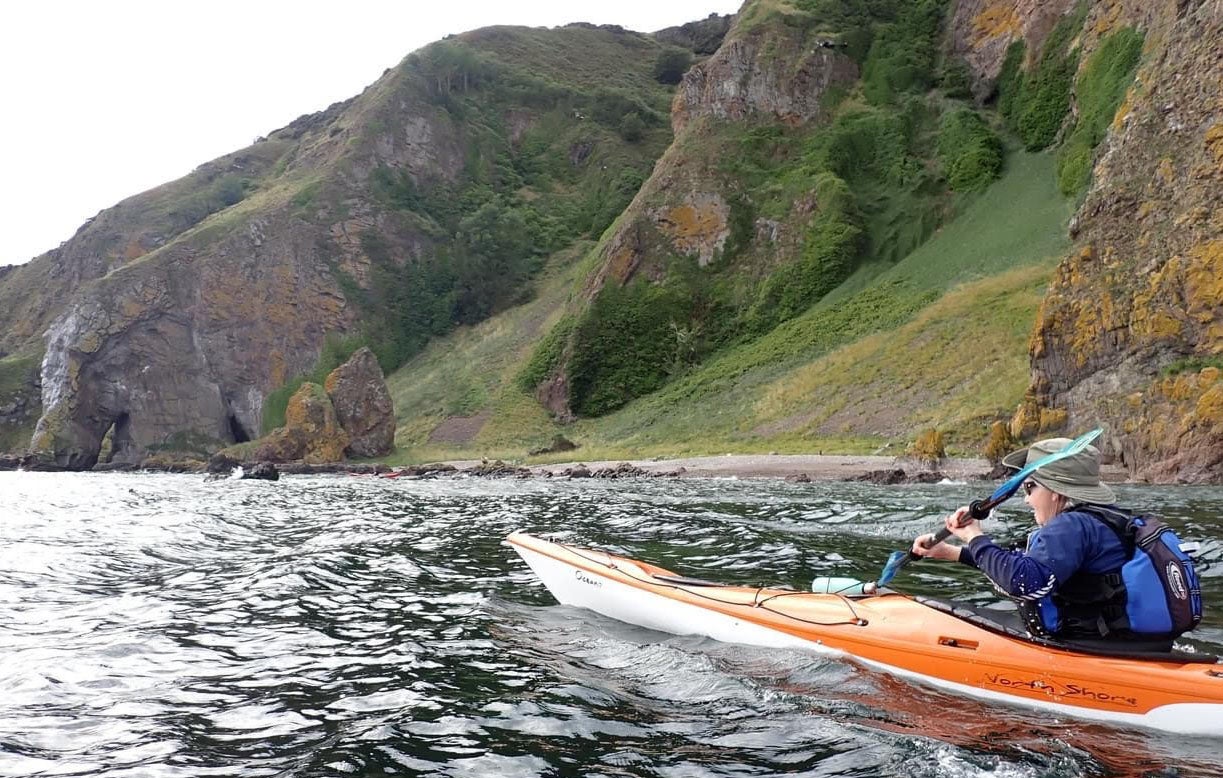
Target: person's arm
<point>1013,572</point>
<point>1056,551</point>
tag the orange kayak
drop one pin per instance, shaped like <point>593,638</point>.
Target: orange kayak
<point>920,639</point>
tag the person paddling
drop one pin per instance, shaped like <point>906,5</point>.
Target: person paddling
<point>1081,576</point>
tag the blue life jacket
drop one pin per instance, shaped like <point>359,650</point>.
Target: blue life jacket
<point>1155,595</point>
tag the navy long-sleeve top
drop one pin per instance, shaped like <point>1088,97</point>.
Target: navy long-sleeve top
<point>1069,542</point>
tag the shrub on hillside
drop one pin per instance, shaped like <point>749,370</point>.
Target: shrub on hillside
<point>902,54</point>
<point>970,152</point>
<point>670,66</point>
<point>624,344</point>
<point>928,447</point>
<point>632,127</point>
<point>869,142</point>
<point>831,251</point>
<point>1010,79</point>
<point>956,79</point>
<point>546,356</point>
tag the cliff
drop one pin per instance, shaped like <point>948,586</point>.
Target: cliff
<point>171,318</point>
<point>795,246</point>
<point>1130,335</point>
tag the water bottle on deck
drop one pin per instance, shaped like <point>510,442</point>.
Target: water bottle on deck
<point>834,585</point>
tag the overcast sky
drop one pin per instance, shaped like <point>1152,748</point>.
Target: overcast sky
<point>107,98</point>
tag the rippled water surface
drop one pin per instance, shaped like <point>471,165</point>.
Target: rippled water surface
<point>155,625</point>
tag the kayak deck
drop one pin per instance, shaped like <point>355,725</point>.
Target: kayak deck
<point>924,640</point>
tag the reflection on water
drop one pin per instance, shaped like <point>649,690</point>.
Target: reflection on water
<point>318,626</point>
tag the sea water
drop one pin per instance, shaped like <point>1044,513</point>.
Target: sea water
<point>164,625</point>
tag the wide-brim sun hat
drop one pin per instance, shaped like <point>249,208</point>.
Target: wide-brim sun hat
<point>1076,476</point>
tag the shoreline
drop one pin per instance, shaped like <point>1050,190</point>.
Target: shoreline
<point>801,467</point>
<point>816,467</point>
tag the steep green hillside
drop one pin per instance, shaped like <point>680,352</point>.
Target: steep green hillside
<point>878,358</point>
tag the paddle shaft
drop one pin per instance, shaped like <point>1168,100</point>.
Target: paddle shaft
<point>978,509</point>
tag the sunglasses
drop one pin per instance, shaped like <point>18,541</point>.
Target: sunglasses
<point>1029,487</point>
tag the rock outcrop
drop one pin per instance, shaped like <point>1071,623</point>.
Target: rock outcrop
<point>180,351</point>
<point>770,70</point>
<point>702,37</point>
<point>980,31</point>
<point>311,434</point>
<point>775,66</point>
<point>1133,319</point>
<point>363,405</point>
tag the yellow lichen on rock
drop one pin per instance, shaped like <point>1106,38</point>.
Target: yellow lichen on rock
<point>929,446</point>
<point>997,19</point>
<point>1214,141</point>
<point>697,227</point>
<point>1204,291</point>
<point>1107,19</point>
<point>1000,442</point>
<point>1209,407</point>
<point>1166,172</point>
<point>310,411</point>
<point>1156,313</point>
<point>1052,419</point>
<point>1123,110</point>
<point>1026,421</point>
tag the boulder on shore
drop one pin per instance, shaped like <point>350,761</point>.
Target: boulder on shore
<point>311,434</point>
<point>363,405</point>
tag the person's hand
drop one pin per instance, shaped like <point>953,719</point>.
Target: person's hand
<point>963,525</point>
<point>924,546</point>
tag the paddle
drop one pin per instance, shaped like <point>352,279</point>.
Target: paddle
<point>979,509</point>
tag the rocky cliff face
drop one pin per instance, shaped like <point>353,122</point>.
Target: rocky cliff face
<point>980,31</point>
<point>169,318</point>
<point>1131,332</point>
<point>1134,318</point>
<point>768,70</point>
<point>185,345</point>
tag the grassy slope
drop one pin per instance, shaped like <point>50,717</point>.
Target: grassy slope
<point>873,363</point>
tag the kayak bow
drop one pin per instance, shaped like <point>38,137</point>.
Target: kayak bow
<point>915,639</point>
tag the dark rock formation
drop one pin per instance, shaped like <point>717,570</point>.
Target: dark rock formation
<point>497,468</point>
<point>363,405</point>
<point>701,37</point>
<point>559,444</point>
<point>899,476</point>
<point>263,471</point>
<point>221,463</point>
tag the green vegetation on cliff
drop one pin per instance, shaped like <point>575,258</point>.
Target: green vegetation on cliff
<point>875,339</point>
<point>1035,103</point>
<point>554,153</point>
<point>19,400</point>
<point>1101,86</point>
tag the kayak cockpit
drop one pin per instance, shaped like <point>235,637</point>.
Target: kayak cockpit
<point>1008,624</point>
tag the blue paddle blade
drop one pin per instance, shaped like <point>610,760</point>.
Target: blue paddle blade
<point>895,562</point>
<point>1014,482</point>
